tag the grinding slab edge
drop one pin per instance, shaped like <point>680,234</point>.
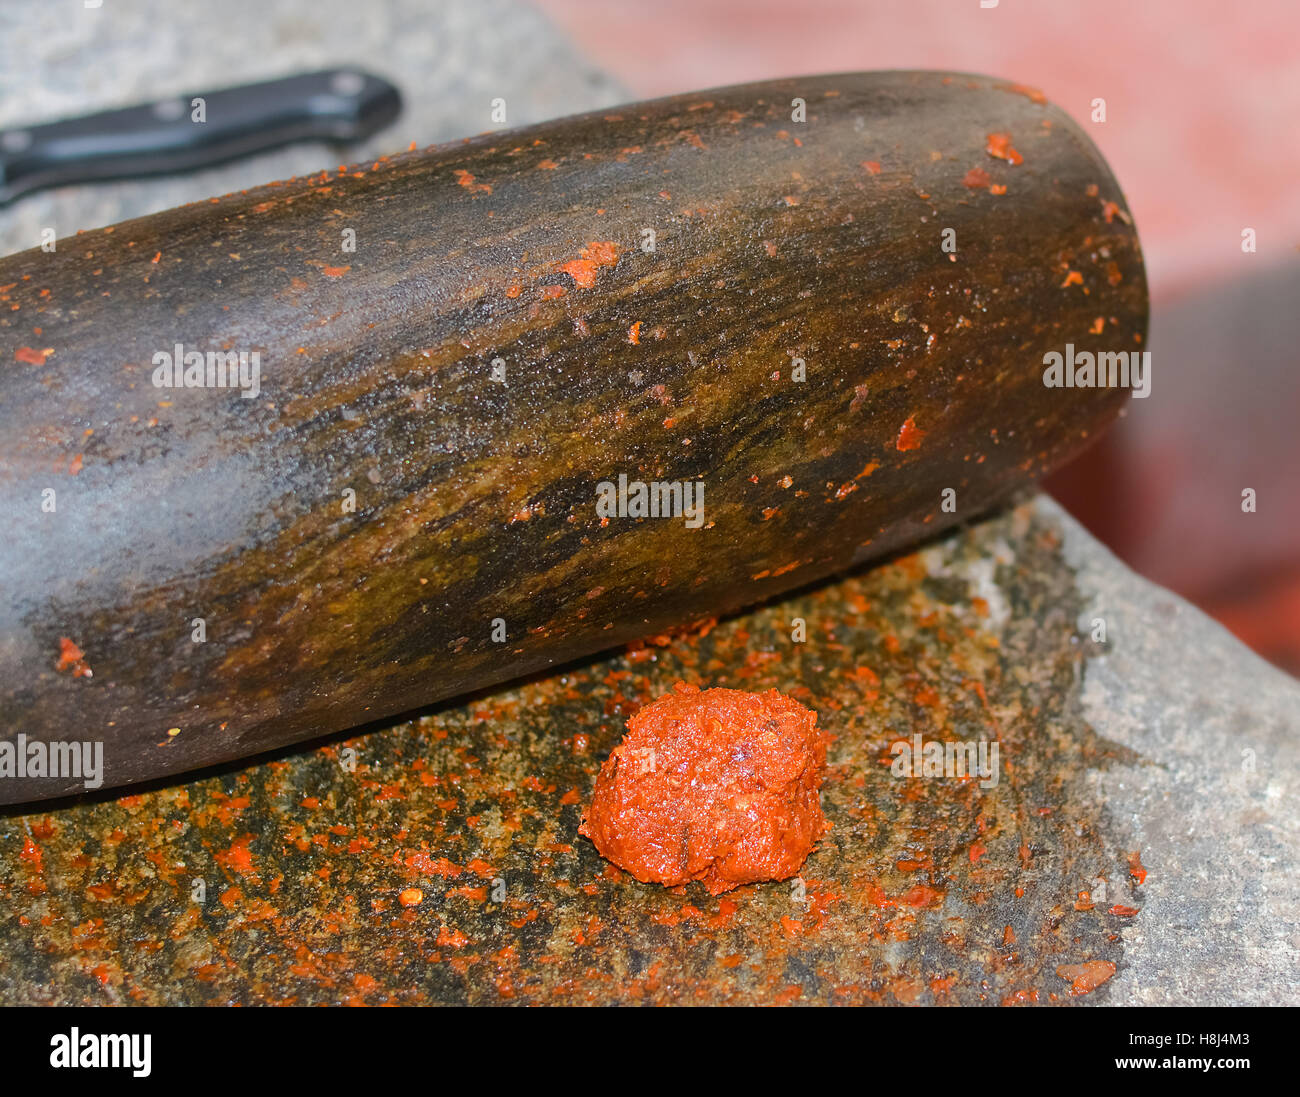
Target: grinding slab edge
<point>1212,803</point>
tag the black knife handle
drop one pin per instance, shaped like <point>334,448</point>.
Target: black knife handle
<point>334,105</point>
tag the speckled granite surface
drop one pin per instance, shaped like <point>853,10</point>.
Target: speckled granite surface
<point>446,867</point>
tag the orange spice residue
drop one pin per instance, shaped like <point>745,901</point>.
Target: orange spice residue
<point>873,166</point>
<point>451,938</point>
<point>1086,977</point>
<point>238,858</point>
<point>334,272</point>
<point>1136,868</point>
<point>33,357</point>
<point>1032,94</point>
<point>920,896</point>
<point>601,253</point>
<point>467,180</point>
<point>423,863</point>
<point>999,145</point>
<point>72,656</point>
<point>909,435</point>
<point>976,178</point>
<point>634,334</point>
<point>582,271</point>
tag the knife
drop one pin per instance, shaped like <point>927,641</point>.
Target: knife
<point>195,130</point>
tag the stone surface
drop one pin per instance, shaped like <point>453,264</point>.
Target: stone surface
<point>1211,795</point>
<point>449,59</point>
<point>446,866</point>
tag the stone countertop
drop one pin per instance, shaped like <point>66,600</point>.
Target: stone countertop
<point>1139,844</point>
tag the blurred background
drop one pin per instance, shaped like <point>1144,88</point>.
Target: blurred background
<point>1202,130</point>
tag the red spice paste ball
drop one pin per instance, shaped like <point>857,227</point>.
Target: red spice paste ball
<point>715,785</point>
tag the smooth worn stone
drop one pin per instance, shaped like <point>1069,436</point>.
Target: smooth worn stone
<point>1211,794</point>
